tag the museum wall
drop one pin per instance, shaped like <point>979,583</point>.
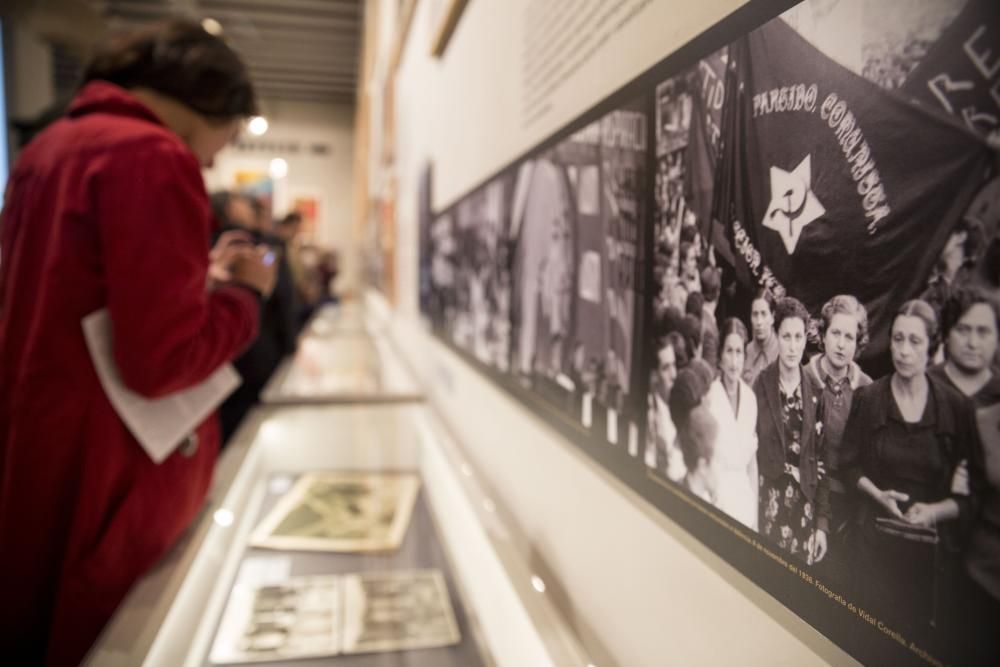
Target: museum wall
<point>639,589</point>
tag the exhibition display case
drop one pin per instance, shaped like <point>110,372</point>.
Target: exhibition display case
<point>343,357</point>
<point>172,616</point>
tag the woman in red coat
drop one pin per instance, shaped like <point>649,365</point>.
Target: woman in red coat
<point>107,209</point>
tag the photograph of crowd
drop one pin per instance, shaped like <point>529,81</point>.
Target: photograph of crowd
<point>815,358</point>
<point>825,304</point>
<point>578,214</point>
<point>470,274</point>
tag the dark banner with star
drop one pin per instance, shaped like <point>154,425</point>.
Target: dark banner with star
<point>829,184</point>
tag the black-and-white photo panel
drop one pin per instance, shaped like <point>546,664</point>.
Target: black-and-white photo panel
<point>826,213</point>
<point>579,209</point>
<point>794,354</point>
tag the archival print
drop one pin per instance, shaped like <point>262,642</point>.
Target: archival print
<point>578,215</point>
<point>299,618</point>
<point>341,511</point>
<point>395,611</point>
<point>327,368</point>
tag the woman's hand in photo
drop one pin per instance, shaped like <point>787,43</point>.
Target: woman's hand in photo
<point>890,499</point>
<point>921,514</point>
<point>819,546</point>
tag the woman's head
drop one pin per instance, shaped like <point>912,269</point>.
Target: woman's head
<point>689,258</point>
<point>181,61</point>
<point>733,339</point>
<point>914,337</point>
<point>791,321</point>
<point>696,427</point>
<point>762,315</point>
<point>843,330</point>
<point>970,320</point>
<point>670,358</point>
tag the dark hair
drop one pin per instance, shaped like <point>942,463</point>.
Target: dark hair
<point>958,303</point>
<point>696,436</point>
<point>219,202</point>
<point>694,305</point>
<point>767,297</point>
<point>667,319</point>
<point>291,218</point>
<point>679,344</point>
<point>686,249</point>
<point>788,308</point>
<point>180,59</point>
<point>691,329</point>
<point>732,325</point>
<point>847,305</point>
<point>711,283</point>
<point>924,311</point>
<point>688,234</point>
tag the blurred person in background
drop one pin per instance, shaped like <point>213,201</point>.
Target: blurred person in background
<point>279,316</point>
<point>107,209</point>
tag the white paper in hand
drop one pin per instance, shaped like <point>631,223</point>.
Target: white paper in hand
<point>158,424</point>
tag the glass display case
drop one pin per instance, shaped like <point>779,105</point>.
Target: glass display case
<point>343,356</point>
<point>172,616</point>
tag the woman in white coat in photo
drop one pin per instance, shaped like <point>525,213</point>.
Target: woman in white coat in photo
<point>734,407</point>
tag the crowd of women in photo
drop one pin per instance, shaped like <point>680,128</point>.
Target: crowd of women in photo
<point>886,488</point>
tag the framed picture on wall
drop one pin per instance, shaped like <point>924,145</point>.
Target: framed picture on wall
<point>444,18</point>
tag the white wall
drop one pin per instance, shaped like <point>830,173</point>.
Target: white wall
<point>637,588</point>
<point>31,87</point>
<point>329,176</point>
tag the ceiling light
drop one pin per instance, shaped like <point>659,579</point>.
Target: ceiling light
<point>257,125</point>
<point>278,168</point>
<point>223,517</point>
<point>211,26</point>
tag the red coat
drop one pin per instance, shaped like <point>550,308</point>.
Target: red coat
<point>106,208</point>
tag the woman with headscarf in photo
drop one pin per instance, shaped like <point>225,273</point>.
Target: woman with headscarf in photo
<point>794,496</point>
<point>906,436</point>
<point>734,406</point>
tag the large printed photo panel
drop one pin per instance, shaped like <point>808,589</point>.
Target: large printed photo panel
<point>579,211</point>
<point>826,211</point>
<point>469,274</point>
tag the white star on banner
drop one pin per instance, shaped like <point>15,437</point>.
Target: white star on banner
<point>793,204</point>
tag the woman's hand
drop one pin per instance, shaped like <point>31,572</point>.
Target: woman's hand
<point>960,479</point>
<point>229,246</point>
<point>921,514</point>
<point>819,546</point>
<point>889,499</point>
<point>256,269</point>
